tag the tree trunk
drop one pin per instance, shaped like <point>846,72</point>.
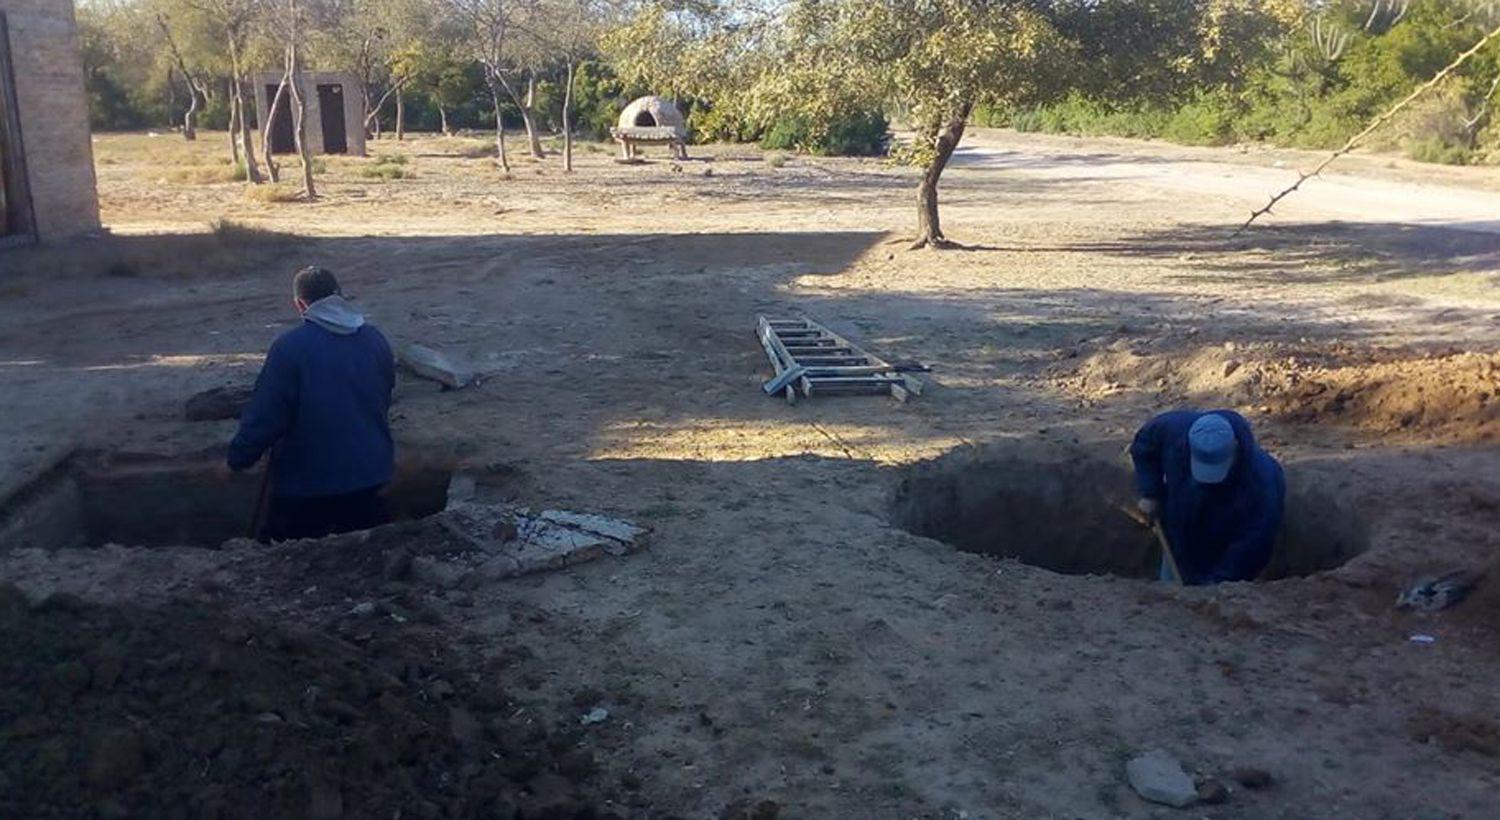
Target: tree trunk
<point>929,229</point>
<point>371,113</point>
<point>567,121</point>
<point>237,107</point>
<point>443,118</point>
<point>190,116</point>
<point>499,130</point>
<point>299,121</point>
<point>234,131</point>
<point>171,97</point>
<point>272,168</point>
<point>400,115</point>
<point>533,140</point>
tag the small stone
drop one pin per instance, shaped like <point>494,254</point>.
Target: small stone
<point>462,725</point>
<point>1251,777</point>
<point>326,802</point>
<point>115,760</point>
<point>395,565</point>
<point>577,764</point>
<point>504,531</point>
<point>107,673</point>
<point>71,677</point>
<point>1212,791</point>
<point>1158,777</point>
<point>363,610</point>
<point>598,714</point>
<point>437,572</point>
<point>751,810</point>
<point>1230,367</point>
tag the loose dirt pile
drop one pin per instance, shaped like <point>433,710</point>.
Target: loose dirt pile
<point>184,710</point>
<point>1447,395</point>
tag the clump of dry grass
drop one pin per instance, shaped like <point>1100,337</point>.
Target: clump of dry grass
<point>471,148</point>
<point>207,174</point>
<point>234,233</point>
<point>273,193</point>
<point>388,167</point>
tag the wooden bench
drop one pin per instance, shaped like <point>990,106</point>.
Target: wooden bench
<point>629,138</point>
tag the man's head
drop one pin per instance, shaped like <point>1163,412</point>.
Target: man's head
<point>311,284</point>
<point>1212,447</point>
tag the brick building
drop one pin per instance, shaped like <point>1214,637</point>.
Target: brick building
<point>47,188</point>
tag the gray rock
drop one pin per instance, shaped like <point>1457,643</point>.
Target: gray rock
<point>1158,777</point>
<point>435,366</point>
<point>437,572</point>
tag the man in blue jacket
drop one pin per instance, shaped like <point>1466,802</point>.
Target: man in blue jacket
<point>1218,496</point>
<point>320,406</point>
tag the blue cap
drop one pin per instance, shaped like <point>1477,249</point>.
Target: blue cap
<point>1212,445</point>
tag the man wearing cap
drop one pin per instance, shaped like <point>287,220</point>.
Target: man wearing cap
<point>320,406</point>
<point>1218,496</point>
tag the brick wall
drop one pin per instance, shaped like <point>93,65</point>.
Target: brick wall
<point>54,115</point>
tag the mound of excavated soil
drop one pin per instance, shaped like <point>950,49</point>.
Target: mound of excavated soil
<point>183,711</point>
<point>1448,395</point>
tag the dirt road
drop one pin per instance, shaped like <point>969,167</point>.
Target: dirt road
<point>1440,201</point>
<point>798,631</point>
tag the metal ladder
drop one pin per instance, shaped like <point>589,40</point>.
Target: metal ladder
<point>812,359</point>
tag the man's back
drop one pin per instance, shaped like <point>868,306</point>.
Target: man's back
<point>321,406</point>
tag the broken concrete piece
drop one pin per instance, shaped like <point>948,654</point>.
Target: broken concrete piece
<point>218,403</point>
<point>513,541</point>
<point>461,488</point>
<point>430,364</point>
<point>1158,777</point>
<point>612,528</point>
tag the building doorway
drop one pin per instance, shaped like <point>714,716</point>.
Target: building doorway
<point>282,141</point>
<point>16,221</point>
<point>331,111</point>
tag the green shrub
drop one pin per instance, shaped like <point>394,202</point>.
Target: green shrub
<point>1027,120</point>
<point>1436,150</point>
<point>858,134</point>
<point>720,124</point>
<point>1207,120</point>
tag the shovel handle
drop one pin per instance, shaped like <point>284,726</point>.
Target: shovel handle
<point>262,503</point>
<point>1161,539</point>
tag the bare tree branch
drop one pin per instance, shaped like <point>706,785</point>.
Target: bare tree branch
<point>1379,121</point>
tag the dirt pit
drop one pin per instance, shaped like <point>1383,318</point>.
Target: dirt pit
<point>1067,512</point>
<point>94,498</point>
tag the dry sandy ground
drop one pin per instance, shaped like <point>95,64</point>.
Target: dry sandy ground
<point>780,639</point>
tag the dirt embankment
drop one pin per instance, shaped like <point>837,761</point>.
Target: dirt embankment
<point>188,710</point>
<point>1444,395</point>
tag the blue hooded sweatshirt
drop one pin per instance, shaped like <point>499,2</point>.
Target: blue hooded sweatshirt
<point>1218,532</point>
<point>321,406</point>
